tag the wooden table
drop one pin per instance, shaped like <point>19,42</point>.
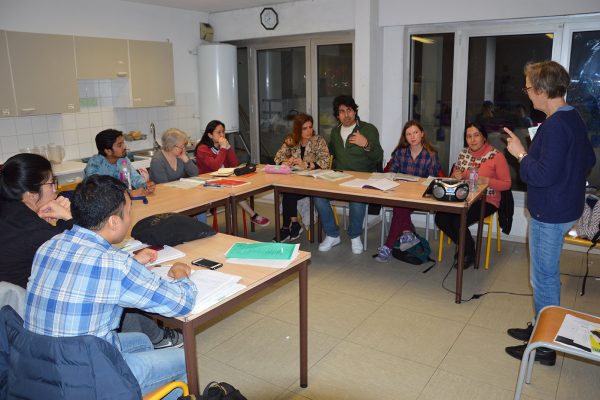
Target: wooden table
<point>407,194</point>
<point>187,201</point>
<point>256,279</point>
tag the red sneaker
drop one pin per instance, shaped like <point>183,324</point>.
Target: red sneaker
<point>259,220</point>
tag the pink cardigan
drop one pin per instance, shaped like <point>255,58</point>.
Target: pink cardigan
<point>496,170</point>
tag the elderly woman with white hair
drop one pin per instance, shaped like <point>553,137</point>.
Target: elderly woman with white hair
<point>172,162</point>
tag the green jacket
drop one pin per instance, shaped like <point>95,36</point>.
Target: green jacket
<point>352,157</point>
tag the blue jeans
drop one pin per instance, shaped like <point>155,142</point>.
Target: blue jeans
<point>545,244</point>
<point>201,217</point>
<point>356,216</point>
<point>152,368</point>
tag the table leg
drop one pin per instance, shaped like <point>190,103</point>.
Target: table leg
<point>303,286</point>
<point>228,216</point>
<point>277,216</point>
<point>252,207</point>
<point>311,204</point>
<point>191,361</point>
<point>461,254</point>
<point>480,234</point>
<point>234,227</point>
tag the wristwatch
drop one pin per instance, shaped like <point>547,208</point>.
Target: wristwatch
<point>521,156</point>
<point>367,147</point>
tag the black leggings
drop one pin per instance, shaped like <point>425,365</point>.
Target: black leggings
<point>290,204</point>
<point>450,224</point>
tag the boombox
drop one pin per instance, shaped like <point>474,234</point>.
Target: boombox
<point>448,189</point>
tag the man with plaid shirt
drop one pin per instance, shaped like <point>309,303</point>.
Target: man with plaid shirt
<point>80,284</point>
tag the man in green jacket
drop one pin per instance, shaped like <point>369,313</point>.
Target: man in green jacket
<point>354,145</point>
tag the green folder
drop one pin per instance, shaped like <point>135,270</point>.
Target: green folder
<point>262,251</point>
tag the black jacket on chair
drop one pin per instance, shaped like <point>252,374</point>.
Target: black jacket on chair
<point>506,211</point>
<point>35,366</point>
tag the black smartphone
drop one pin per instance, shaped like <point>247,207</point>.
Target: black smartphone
<point>206,263</point>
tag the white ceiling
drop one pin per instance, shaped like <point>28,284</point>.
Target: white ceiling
<point>210,6</point>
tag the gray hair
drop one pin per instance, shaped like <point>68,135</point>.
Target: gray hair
<point>171,136</point>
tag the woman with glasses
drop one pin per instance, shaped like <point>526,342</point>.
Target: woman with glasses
<point>172,162</point>
<point>555,169</point>
<point>30,213</point>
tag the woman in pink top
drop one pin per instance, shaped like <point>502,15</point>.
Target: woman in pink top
<point>213,151</point>
<point>493,171</point>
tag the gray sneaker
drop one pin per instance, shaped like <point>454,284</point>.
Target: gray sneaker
<point>408,240</point>
<point>171,338</point>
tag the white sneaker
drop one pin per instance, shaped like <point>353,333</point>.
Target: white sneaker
<point>329,242</point>
<point>357,246</point>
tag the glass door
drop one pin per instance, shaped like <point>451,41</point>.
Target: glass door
<point>281,84</point>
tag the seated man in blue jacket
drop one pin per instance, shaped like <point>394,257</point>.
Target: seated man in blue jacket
<point>112,154</point>
<point>80,284</point>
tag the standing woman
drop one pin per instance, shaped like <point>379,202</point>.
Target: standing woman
<point>171,162</point>
<point>30,213</point>
<point>555,169</point>
<point>493,171</point>
<point>213,151</point>
<point>414,155</point>
<point>303,149</point>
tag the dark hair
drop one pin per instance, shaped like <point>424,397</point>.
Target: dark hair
<point>210,128</point>
<point>344,100</point>
<point>403,143</point>
<point>106,139</point>
<point>477,126</point>
<point>549,77</point>
<point>95,199</point>
<point>23,173</point>
<point>299,121</point>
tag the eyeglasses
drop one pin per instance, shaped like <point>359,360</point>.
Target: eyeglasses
<point>53,183</point>
<point>179,147</point>
<point>525,89</point>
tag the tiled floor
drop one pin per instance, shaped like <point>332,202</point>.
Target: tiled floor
<point>389,331</point>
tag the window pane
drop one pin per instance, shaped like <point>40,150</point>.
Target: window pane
<point>281,93</point>
<point>494,88</point>
<point>432,59</point>
<point>584,93</point>
<point>334,63</point>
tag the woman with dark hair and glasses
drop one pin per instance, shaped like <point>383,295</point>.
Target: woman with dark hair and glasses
<point>30,213</point>
<point>493,171</point>
<point>213,151</point>
<point>555,169</point>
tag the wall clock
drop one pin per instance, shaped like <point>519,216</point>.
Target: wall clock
<point>269,18</point>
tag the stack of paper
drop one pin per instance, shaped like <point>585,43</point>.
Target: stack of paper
<point>187,183</point>
<point>213,286</point>
<point>167,253</point>
<point>578,333</point>
<point>222,172</point>
<point>325,174</point>
<point>274,255</point>
<point>381,184</point>
<point>394,176</point>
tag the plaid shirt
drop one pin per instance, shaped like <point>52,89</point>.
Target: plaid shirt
<point>80,284</point>
<point>424,165</point>
<point>99,165</point>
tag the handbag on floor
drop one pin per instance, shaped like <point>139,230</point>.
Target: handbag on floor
<point>221,391</point>
<point>416,255</point>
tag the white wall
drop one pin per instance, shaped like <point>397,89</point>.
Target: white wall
<point>394,12</point>
<point>106,18</point>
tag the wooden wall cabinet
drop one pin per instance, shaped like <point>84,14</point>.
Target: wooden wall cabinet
<point>8,106</point>
<point>101,58</point>
<point>151,73</point>
<point>43,71</point>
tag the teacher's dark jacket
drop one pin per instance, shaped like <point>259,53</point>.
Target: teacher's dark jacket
<point>555,169</point>
<point>22,232</point>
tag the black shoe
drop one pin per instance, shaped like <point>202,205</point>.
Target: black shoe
<point>284,235</point>
<point>469,262</point>
<point>543,355</point>
<point>295,230</point>
<point>521,333</point>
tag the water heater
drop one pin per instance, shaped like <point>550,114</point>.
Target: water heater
<point>218,94</point>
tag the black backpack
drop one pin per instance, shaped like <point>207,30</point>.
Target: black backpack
<point>416,255</point>
<point>221,391</point>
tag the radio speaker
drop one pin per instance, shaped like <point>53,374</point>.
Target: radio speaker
<point>449,189</point>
